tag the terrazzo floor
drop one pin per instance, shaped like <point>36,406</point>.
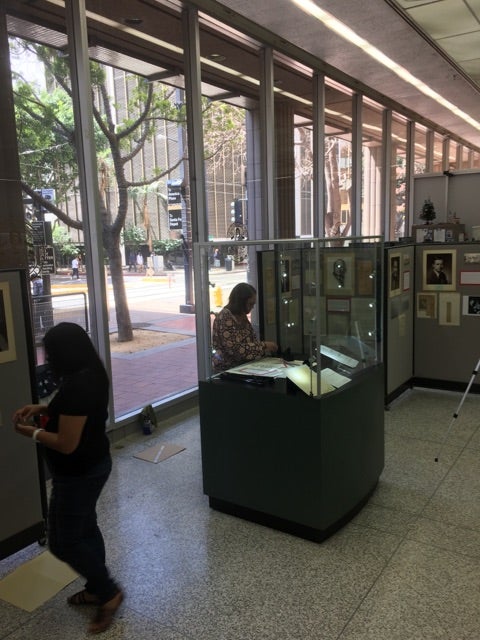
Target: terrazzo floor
<point>406,568</point>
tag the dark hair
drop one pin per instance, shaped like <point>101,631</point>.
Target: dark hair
<point>237,301</point>
<point>69,349</point>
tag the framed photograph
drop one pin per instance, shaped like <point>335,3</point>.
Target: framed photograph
<point>285,277</point>
<point>406,280</point>
<point>427,305</point>
<point>365,277</point>
<point>7,336</point>
<point>471,306</point>
<point>471,258</point>
<point>339,273</point>
<point>394,275</point>
<point>338,324</point>
<point>439,270</point>
<point>449,309</point>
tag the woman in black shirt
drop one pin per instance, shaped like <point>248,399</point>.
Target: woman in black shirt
<point>77,452</point>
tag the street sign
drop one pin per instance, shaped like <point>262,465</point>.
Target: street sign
<point>46,259</point>
<point>38,232</point>
<point>174,188</point>
<point>175,219</point>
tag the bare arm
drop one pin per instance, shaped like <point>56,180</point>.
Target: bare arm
<point>70,430</point>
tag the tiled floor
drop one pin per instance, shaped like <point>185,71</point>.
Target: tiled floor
<point>407,567</point>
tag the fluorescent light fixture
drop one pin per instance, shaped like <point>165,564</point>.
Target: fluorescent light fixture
<point>341,29</point>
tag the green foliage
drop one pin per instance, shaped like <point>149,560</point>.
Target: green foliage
<point>63,243</point>
<point>134,236</point>
<point>428,211</point>
<point>164,247</point>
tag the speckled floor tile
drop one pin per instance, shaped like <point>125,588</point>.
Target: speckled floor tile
<point>405,568</point>
<point>425,593</point>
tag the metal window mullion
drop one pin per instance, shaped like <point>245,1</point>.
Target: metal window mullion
<point>356,198</point>
<point>267,134</point>
<point>386,174</point>
<point>196,166</point>
<point>88,179</point>
<point>318,155</point>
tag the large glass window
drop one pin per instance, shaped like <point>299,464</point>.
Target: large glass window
<point>338,160</point>
<point>438,150</point>
<point>398,177</point>
<point>293,165</point>
<point>372,167</point>
<point>420,149</point>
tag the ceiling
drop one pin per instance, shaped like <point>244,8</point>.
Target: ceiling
<point>437,41</point>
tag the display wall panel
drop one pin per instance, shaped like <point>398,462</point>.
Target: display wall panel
<point>447,315</point>
<point>398,318</point>
<point>22,493</point>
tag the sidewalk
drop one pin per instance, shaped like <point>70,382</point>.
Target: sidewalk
<point>151,375</point>
<point>158,373</point>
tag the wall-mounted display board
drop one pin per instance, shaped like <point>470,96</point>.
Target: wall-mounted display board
<point>398,318</point>
<point>22,493</point>
<point>447,314</point>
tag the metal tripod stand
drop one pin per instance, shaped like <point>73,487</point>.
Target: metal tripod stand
<point>457,412</point>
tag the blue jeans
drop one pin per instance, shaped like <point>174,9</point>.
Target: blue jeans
<point>73,533</point>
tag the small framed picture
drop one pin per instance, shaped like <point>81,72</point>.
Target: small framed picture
<point>339,273</point>
<point>394,274</point>
<point>7,335</point>
<point>427,305</point>
<point>439,270</point>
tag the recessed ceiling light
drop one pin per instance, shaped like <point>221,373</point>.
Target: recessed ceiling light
<point>217,57</point>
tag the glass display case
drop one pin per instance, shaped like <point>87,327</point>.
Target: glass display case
<point>318,300</point>
<point>294,439</point>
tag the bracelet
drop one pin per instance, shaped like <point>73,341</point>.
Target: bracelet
<point>35,434</point>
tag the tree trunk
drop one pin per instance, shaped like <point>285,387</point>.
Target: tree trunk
<point>124,324</point>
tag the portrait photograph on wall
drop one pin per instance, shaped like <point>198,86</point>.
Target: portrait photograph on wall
<point>394,274</point>
<point>439,270</point>
<point>7,336</point>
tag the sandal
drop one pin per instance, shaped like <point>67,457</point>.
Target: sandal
<point>82,597</point>
<point>105,614</point>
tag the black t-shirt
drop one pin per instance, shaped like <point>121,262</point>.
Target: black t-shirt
<point>81,394</point>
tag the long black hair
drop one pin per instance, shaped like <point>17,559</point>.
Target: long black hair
<point>237,301</point>
<point>69,349</point>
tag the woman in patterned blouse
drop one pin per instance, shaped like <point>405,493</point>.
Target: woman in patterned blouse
<point>234,340</point>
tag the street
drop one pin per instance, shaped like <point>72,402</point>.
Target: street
<point>146,295</point>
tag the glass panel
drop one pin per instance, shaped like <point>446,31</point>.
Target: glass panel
<point>372,169</point>
<point>318,301</point>
<point>420,149</point>
<point>303,149</point>
<point>453,155</point>
<point>49,170</point>
<point>437,153</point>
<point>467,158</point>
<point>293,162</point>
<point>338,159</point>
<point>398,177</point>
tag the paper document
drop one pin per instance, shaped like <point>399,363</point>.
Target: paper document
<point>269,367</point>
<point>307,380</point>
<point>334,378</point>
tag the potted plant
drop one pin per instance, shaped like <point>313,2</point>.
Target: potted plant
<point>428,211</point>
